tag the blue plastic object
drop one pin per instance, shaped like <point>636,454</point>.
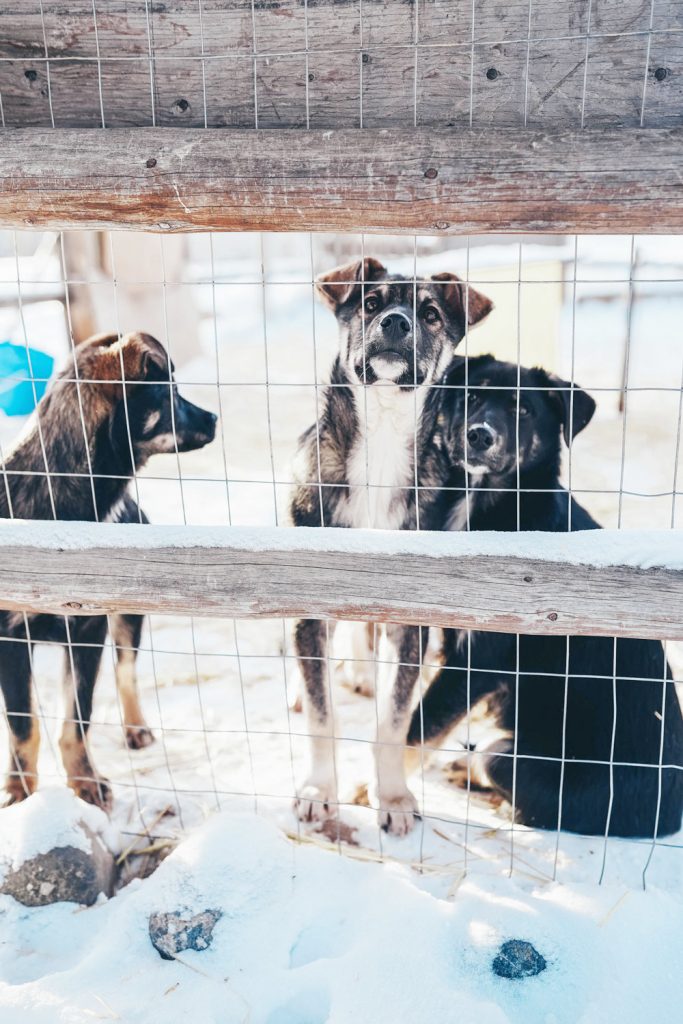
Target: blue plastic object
<point>18,364</point>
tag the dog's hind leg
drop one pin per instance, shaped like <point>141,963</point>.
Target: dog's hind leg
<point>400,667</point>
<point>126,631</point>
<point>317,798</point>
<point>360,671</point>
<point>24,732</point>
<point>83,657</point>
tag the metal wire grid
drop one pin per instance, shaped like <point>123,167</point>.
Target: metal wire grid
<point>417,45</point>
<point>284,658</point>
<point>592,27</point>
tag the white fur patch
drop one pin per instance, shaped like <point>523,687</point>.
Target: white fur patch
<point>115,512</point>
<point>388,369</point>
<point>476,471</point>
<point>461,513</point>
<point>381,463</point>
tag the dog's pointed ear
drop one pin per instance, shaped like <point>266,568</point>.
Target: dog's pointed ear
<point>575,407</point>
<point>335,286</point>
<point>464,301</point>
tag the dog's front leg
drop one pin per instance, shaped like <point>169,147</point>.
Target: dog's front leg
<point>24,733</point>
<point>317,798</point>
<point>85,643</point>
<point>400,667</point>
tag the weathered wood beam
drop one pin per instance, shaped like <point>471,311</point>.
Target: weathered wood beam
<point>478,581</point>
<point>450,181</point>
<point>293,64</point>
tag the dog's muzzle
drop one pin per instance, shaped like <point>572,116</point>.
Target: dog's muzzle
<point>485,449</point>
<point>390,356</point>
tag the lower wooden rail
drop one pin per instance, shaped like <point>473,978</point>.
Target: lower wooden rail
<point>614,583</point>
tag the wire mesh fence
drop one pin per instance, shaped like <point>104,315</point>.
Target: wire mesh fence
<point>367,64</point>
<point>239,318</point>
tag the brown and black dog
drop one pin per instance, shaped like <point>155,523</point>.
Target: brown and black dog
<point>87,438</point>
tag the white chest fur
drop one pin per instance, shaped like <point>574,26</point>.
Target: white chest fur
<point>381,464</point>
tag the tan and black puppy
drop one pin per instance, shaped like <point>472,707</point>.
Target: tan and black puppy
<point>88,436</point>
<point>360,465</point>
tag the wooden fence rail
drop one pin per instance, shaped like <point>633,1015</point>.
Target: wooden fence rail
<point>479,581</point>
<point>438,181</point>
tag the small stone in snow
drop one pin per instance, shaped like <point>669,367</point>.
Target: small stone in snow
<point>518,959</point>
<point>171,933</point>
<point>64,873</point>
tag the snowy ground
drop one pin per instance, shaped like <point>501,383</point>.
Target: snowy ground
<point>307,935</point>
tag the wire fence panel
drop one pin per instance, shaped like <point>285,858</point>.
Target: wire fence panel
<point>374,64</point>
<point>248,340</point>
<point>315,379</point>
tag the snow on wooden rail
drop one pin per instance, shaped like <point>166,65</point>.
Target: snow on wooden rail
<point>597,583</point>
<point>425,180</point>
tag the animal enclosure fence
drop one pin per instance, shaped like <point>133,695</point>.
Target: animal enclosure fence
<point>407,129</point>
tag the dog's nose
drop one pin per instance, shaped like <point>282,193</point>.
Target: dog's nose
<point>395,325</point>
<point>480,437</point>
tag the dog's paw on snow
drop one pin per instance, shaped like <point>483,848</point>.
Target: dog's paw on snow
<point>397,815</point>
<point>54,848</point>
<point>315,802</point>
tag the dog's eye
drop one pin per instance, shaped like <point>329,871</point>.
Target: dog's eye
<point>371,304</point>
<point>523,409</point>
<point>472,397</point>
<point>431,315</point>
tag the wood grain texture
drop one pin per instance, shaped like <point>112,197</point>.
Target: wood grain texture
<point>606,180</point>
<point>292,63</point>
<point>495,592</point>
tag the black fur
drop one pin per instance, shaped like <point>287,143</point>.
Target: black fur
<point>91,437</point>
<point>634,670</point>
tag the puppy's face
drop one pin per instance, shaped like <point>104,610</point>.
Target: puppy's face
<point>397,332</point>
<point>505,426</point>
<point>151,417</point>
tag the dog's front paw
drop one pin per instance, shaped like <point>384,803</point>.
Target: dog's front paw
<point>16,790</point>
<point>94,791</point>
<point>397,813</point>
<point>360,682</point>
<point>315,802</point>
<point>138,736</point>
<point>364,686</point>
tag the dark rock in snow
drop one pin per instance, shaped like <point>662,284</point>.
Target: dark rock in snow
<point>63,874</point>
<point>171,933</point>
<point>518,959</point>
